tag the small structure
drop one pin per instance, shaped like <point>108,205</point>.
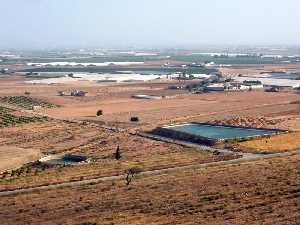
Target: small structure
<point>4,71</point>
<point>273,89</point>
<point>78,93</point>
<point>252,85</point>
<point>235,86</point>
<point>215,87</point>
<point>99,113</point>
<point>36,107</point>
<point>176,87</point>
<point>61,93</point>
<point>134,119</point>
<point>72,93</point>
<point>147,97</point>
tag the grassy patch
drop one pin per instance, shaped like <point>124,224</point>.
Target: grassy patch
<point>277,143</point>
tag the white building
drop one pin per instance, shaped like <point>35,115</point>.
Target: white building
<point>215,87</point>
<point>271,81</point>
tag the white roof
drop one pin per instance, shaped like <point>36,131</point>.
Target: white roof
<point>271,81</point>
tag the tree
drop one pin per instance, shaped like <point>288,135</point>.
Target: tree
<point>5,174</point>
<point>99,113</point>
<point>118,153</point>
<point>134,119</point>
<point>130,174</point>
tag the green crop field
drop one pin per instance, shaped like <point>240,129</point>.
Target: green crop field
<point>4,110</point>
<point>25,102</point>
<point>7,119</point>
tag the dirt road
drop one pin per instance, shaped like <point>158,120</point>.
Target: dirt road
<point>146,173</point>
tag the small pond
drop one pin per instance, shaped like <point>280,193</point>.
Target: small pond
<point>65,160</point>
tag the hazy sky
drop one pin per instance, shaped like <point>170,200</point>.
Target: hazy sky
<point>147,23</point>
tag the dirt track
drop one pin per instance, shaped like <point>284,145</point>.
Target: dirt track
<point>147,173</point>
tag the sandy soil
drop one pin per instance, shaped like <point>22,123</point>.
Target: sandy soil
<point>12,157</point>
<point>262,192</point>
<point>183,108</point>
<point>118,106</point>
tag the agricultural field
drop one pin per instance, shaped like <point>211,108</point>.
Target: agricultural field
<point>4,110</point>
<point>25,102</point>
<point>264,191</point>
<point>273,144</point>
<point>12,157</point>
<point>259,192</point>
<point>108,69</point>
<point>7,119</point>
<point>250,60</point>
<point>99,145</point>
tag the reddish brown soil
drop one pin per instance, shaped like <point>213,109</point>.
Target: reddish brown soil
<point>97,144</point>
<point>263,192</point>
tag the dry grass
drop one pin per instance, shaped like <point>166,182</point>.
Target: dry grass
<point>118,106</point>
<point>12,157</point>
<point>278,143</point>
<point>262,192</point>
<point>98,144</point>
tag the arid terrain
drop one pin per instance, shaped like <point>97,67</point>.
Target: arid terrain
<point>261,192</point>
<point>149,112</point>
<point>117,104</point>
<point>99,145</point>
<point>277,143</point>
<point>178,183</point>
<point>12,157</point>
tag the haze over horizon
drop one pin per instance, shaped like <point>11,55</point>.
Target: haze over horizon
<point>140,23</point>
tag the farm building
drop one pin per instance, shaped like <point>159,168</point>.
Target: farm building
<point>272,82</point>
<point>78,93</point>
<point>251,85</point>
<point>235,86</point>
<point>215,87</point>
<point>72,93</point>
<point>147,97</point>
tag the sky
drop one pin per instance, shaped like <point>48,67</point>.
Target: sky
<point>36,24</point>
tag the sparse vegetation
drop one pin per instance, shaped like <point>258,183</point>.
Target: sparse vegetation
<point>277,143</point>
<point>118,153</point>
<point>134,119</point>
<point>55,137</point>
<point>266,190</point>
<point>130,174</point>
<point>99,113</point>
